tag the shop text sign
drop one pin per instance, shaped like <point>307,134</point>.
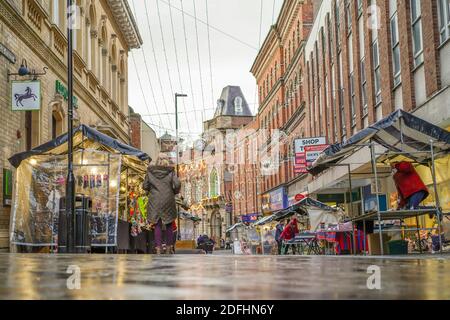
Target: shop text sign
<point>25,95</point>
<point>64,92</point>
<point>307,150</point>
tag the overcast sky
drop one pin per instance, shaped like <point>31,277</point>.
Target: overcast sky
<point>235,37</point>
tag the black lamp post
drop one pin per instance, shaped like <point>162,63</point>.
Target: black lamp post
<point>70,183</point>
<point>177,149</point>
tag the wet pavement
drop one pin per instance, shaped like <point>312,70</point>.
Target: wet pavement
<point>228,277</point>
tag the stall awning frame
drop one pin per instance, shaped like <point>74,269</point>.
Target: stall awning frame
<point>299,207</point>
<point>400,132</point>
<point>84,137</point>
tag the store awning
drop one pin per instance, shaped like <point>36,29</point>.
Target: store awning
<point>83,137</point>
<point>188,216</point>
<point>400,132</point>
<point>234,226</point>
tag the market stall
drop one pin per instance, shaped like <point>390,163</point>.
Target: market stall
<point>399,138</point>
<point>108,176</point>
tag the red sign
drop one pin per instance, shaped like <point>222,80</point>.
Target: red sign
<point>299,197</point>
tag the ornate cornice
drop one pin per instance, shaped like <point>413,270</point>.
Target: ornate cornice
<point>22,30</point>
<point>125,20</point>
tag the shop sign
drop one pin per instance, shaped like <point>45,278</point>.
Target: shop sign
<point>249,217</point>
<point>7,187</point>
<point>26,95</point>
<point>64,92</point>
<point>278,199</point>
<point>307,151</point>
<point>4,51</point>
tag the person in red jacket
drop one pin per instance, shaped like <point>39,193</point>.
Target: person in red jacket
<point>410,187</point>
<point>289,233</point>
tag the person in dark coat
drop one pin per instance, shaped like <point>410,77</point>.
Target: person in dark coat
<point>162,184</point>
<point>410,187</point>
<point>279,229</point>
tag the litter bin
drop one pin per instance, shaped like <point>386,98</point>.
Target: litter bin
<point>397,247</point>
<point>83,206</point>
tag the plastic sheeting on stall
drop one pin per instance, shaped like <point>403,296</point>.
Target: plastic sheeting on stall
<point>40,188</point>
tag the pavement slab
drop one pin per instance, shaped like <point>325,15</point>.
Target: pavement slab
<point>224,276</point>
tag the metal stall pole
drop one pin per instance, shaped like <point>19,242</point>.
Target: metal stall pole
<point>436,196</point>
<point>351,207</point>
<point>374,168</point>
<point>70,183</point>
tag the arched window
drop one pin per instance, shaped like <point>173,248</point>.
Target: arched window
<point>103,56</point>
<point>55,12</point>
<point>113,73</point>
<point>91,39</point>
<point>122,98</point>
<point>57,124</point>
<point>213,183</point>
<point>238,106</point>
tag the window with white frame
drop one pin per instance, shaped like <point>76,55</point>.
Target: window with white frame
<point>444,19</point>
<point>416,26</point>
<point>348,14</point>
<point>352,98</point>
<point>55,12</point>
<point>364,86</point>
<point>376,71</point>
<point>395,44</point>
<point>337,20</point>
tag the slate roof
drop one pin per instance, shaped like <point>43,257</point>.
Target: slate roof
<point>232,103</point>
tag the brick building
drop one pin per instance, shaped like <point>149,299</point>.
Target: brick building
<point>365,59</point>
<point>142,136</point>
<point>359,61</point>
<point>278,70</point>
<point>207,169</point>
<point>35,31</point>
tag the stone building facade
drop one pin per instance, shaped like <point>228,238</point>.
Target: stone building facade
<point>207,169</point>
<point>34,32</point>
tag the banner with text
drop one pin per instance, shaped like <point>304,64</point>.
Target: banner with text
<point>307,150</point>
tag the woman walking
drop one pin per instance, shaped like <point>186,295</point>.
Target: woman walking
<point>162,184</point>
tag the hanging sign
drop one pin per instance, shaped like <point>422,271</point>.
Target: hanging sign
<point>4,51</point>
<point>306,152</point>
<point>25,95</point>
<point>7,187</point>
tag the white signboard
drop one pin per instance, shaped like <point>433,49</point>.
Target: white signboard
<point>300,144</point>
<point>25,95</point>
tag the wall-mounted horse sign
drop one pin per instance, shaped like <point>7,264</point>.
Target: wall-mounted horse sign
<point>25,95</point>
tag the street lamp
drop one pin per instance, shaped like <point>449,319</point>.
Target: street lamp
<point>70,183</point>
<point>181,95</point>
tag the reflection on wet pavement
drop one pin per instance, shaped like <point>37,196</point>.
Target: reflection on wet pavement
<point>31,276</point>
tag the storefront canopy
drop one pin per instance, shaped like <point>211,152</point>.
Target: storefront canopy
<point>304,206</point>
<point>399,132</point>
<point>234,226</point>
<point>187,216</point>
<point>84,137</point>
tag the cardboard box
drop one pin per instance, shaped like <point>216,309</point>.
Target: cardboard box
<point>185,244</point>
<point>373,244</point>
